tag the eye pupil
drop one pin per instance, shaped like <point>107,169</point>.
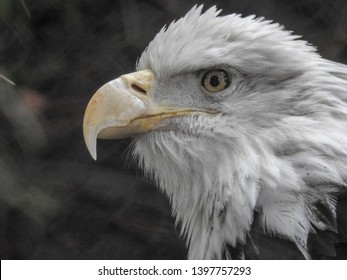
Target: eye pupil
<point>214,81</point>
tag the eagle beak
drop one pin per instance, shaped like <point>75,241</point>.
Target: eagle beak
<point>122,108</point>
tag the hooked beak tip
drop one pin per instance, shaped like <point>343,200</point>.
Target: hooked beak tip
<point>90,139</point>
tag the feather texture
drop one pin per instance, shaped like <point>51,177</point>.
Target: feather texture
<point>277,147</point>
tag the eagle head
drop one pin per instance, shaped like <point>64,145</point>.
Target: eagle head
<point>243,126</point>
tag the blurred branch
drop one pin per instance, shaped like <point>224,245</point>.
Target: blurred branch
<point>26,8</point>
<point>7,80</point>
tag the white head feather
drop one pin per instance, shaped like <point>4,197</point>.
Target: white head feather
<point>278,145</point>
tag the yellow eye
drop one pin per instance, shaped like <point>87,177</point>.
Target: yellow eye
<point>216,80</point>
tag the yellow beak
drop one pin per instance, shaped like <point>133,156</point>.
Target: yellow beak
<point>123,107</point>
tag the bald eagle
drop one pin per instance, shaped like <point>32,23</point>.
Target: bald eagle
<point>244,127</point>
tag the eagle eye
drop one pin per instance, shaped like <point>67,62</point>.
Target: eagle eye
<point>216,80</point>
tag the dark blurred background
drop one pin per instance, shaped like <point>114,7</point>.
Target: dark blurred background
<point>55,201</point>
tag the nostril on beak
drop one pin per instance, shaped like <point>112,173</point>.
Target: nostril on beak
<point>138,89</point>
